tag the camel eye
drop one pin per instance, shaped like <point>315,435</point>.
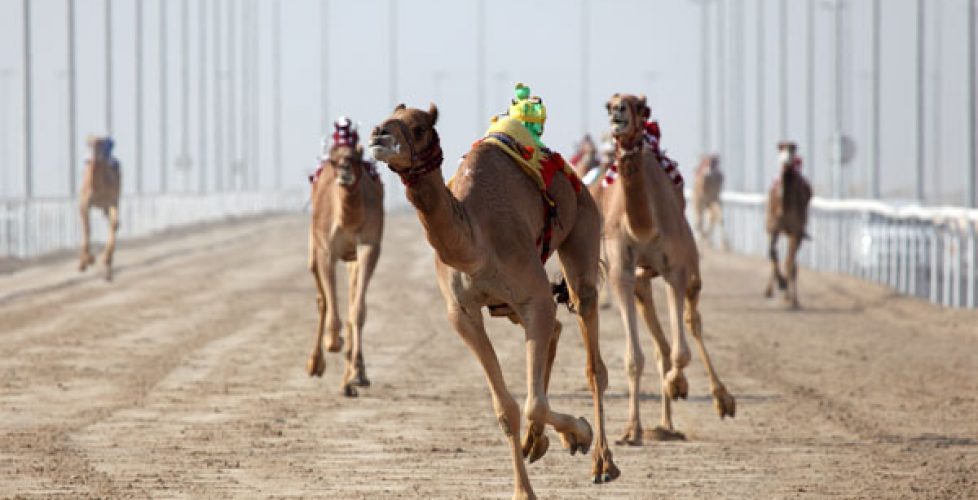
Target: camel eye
<point>418,132</point>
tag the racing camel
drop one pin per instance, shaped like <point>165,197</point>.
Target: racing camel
<point>787,212</point>
<point>100,188</point>
<point>647,235</point>
<point>347,225</point>
<point>485,229</point>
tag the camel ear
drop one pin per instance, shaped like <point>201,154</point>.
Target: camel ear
<point>433,113</point>
<point>399,107</point>
<point>643,107</point>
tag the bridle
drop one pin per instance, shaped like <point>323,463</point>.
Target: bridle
<point>625,151</point>
<point>423,162</point>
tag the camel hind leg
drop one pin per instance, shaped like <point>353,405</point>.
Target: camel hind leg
<point>623,284</point>
<point>316,365</point>
<point>112,213</point>
<point>86,258</point>
<point>360,273</point>
<point>724,403</point>
<point>791,270</point>
<point>579,258</point>
<point>776,275</point>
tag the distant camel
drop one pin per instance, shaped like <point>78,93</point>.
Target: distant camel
<point>100,188</point>
<point>647,235</point>
<point>787,212</point>
<point>347,224</point>
<point>707,187</point>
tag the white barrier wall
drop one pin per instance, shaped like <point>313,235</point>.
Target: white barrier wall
<point>39,226</point>
<point>924,252</point>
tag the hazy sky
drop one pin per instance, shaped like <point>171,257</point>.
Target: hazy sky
<point>636,46</point>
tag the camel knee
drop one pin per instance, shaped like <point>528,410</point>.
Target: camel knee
<point>597,376</point>
<point>587,301</point>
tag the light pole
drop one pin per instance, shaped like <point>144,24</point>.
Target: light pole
<point>392,50</point>
<point>704,75</point>
<point>28,105</point>
<point>721,80</point>
<point>972,165</point>
<point>324,117</point>
<point>585,65</point>
<point>783,70</point>
<point>935,110</point>
<point>277,84</point>
<point>759,172</point>
<point>139,96</point>
<point>202,97</point>
<point>874,172</point>
<point>6,74</point>
<point>183,162</point>
<point>164,162</point>
<point>72,123</point>
<point>108,67</point>
<point>919,177</point>
<point>218,108</point>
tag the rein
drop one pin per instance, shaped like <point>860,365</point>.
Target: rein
<point>423,163</point>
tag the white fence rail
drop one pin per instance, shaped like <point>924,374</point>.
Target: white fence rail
<point>924,252</point>
<point>39,226</point>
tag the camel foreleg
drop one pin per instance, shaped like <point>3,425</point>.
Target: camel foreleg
<point>791,269</point>
<point>468,323</point>
<point>724,403</point>
<point>113,215</point>
<point>623,284</point>
<point>360,275</point>
<point>676,385</point>
<point>86,258</point>
<point>646,306</point>
<point>776,275</point>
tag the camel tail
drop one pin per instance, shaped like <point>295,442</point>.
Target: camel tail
<point>561,294</point>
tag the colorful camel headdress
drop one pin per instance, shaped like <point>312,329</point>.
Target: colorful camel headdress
<point>345,133</point>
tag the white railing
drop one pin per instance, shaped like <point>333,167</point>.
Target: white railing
<point>924,252</point>
<point>35,227</point>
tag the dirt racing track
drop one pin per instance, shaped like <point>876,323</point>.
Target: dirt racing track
<point>185,378</point>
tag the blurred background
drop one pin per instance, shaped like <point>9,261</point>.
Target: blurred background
<point>235,94</point>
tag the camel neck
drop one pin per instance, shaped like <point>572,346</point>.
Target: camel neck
<point>352,211</point>
<point>639,213</point>
<point>446,223</point>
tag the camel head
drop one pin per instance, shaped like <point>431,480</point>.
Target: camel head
<point>348,163</point>
<point>786,153</point>
<point>101,147</point>
<point>407,142</point>
<point>627,115</point>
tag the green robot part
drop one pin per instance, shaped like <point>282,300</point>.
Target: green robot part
<point>530,111</point>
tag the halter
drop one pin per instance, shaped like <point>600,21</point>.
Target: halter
<point>626,151</point>
<point>423,163</point>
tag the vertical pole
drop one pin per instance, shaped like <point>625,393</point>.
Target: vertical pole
<point>72,119</point>
<point>28,105</point>
<point>761,29</point>
<point>392,50</point>
<point>232,100</point>
<point>255,94</point>
<point>185,93</point>
<point>783,70</point>
<point>324,117</point>
<point>739,92</point>
<point>585,66</point>
<point>721,80</point>
<point>218,108</point>
<point>874,173</point>
<point>935,167</point>
<point>972,165</point>
<point>810,98</point>
<point>919,167</point>
<point>164,161</point>
<point>480,67</point>
<point>837,45</point>
<point>139,96</point>
<point>108,67</point>
<point>277,83</point>
<point>704,78</point>
<point>202,97</point>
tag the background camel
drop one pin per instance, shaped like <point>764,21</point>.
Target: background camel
<point>100,188</point>
<point>787,212</point>
<point>707,187</point>
<point>485,230</point>
<point>347,224</point>
<point>647,235</point>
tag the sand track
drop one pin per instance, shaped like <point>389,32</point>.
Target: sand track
<point>184,378</point>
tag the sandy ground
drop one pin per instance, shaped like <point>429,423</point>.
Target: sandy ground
<point>184,378</point>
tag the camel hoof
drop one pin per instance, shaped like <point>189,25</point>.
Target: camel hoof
<point>535,446</point>
<point>350,391</point>
<point>361,380</point>
<point>782,283</point>
<point>676,386</point>
<point>660,433</point>
<point>632,436</point>
<point>768,293</point>
<point>605,470</point>
<point>316,365</point>
<point>724,403</point>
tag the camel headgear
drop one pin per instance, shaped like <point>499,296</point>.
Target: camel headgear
<point>345,133</point>
<point>529,110</point>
